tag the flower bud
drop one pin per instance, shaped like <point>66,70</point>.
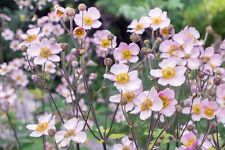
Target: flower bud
<point>70,12</point>
<point>23,48</point>
<point>209,29</point>
<point>201,74</point>
<point>110,37</point>
<point>190,127</point>
<point>146,50</point>
<point>108,62</point>
<point>82,7</point>
<point>64,46</point>
<point>217,81</point>
<point>130,137</point>
<point>134,37</point>
<point>158,142</point>
<point>213,125</point>
<point>82,51</point>
<point>158,40</point>
<point>178,108</point>
<point>123,101</point>
<point>51,132</point>
<point>212,92</point>
<point>34,77</point>
<point>146,42</point>
<point>74,63</point>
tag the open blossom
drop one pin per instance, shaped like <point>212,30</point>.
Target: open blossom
<point>195,110</point>
<point>210,59</point>
<point>138,26</point>
<point>19,77</point>
<point>4,69</point>
<point>147,102</point>
<point>32,36</point>
<point>209,109</point>
<point>126,53</point>
<point>45,123</point>
<point>169,48</point>
<point>125,145</point>
<point>44,51</point>
<point>60,11</point>
<point>126,98</point>
<point>158,19</point>
<point>7,34</point>
<point>169,73</point>
<point>73,132</point>
<point>50,67</point>
<point>102,41</point>
<point>7,95</point>
<point>169,102</point>
<point>123,78</point>
<point>88,19</point>
<point>189,141</point>
<point>79,32</point>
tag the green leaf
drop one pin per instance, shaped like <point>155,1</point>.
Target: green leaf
<point>116,136</point>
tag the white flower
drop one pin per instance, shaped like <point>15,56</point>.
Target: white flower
<point>125,145</point>
<point>7,34</point>
<point>32,36</point>
<point>138,26</point>
<point>73,131</point>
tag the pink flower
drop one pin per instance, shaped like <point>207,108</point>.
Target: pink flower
<point>138,26</point>
<point>7,34</point>
<point>44,51</point>
<point>126,145</point>
<point>126,53</point>
<point>169,102</point>
<point>123,78</point>
<point>169,49</point>
<point>32,36</point>
<point>7,95</point>
<point>147,102</point>
<point>209,109</point>
<point>169,73</point>
<point>158,18</point>
<point>189,141</point>
<point>60,11</point>
<point>88,19</point>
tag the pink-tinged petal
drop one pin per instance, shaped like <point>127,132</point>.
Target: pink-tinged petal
<point>133,75</point>
<point>170,62</point>
<point>123,46</point>
<point>117,54</point>
<point>36,134</point>
<point>80,137</point>
<point>134,48</point>
<point>115,98</point>
<point>136,110</point>
<point>110,77</point>
<point>78,19</point>
<point>33,31</point>
<point>129,106</point>
<point>156,73</point>
<point>152,94</point>
<point>65,142</point>
<point>169,111</point>
<point>39,60</point>
<point>157,104</point>
<point>186,110</point>
<point>94,12</point>
<point>59,136</point>
<point>163,81</point>
<point>119,68</point>
<point>188,46</point>
<point>177,81</point>
<point>193,63</point>
<point>145,114</point>
<point>96,24</point>
<point>196,117</point>
<point>132,24</point>
<point>209,51</point>
<point>155,12</point>
<point>216,60</point>
<point>31,126</point>
<point>180,70</point>
<point>34,50</point>
<point>168,93</point>
<point>55,48</point>
<point>54,58</point>
<point>133,59</point>
<point>71,124</point>
<point>80,126</point>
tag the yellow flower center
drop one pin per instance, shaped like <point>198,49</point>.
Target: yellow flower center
<point>205,59</point>
<point>190,142</point>
<point>59,13</point>
<point>139,26</point>
<point>128,97</point>
<point>105,43</point>
<point>165,31</point>
<point>196,109</point>
<point>126,54</point>
<point>156,20</point>
<point>187,56</point>
<point>45,52</point>
<point>146,105</point>
<point>168,72</point>
<point>18,78</point>
<point>31,38</point>
<point>122,78</point>
<point>79,32</point>
<point>209,112</point>
<point>165,100</point>
<point>69,133</point>
<point>126,147</point>
<point>88,20</point>
<point>42,126</point>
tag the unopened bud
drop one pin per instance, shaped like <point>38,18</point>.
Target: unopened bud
<point>23,48</point>
<point>178,108</point>
<point>213,125</point>
<point>212,92</point>
<point>110,37</point>
<point>70,12</point>
<point>201,74</point>
<point>34,77</point>
<point>158,142</point>
<point>123,101</point>
<point>217,81</point>
<point>82,7</point>
<point>191,127</point>
<point>82,51</point>
<point>158,40</point>
<point>146,50</point>
<point>64,46</point>
<point>134,37</point>
<point>51,132</point>
<point>130,137</point>
<point>108,62</point>
<point>146,42</point>
<point>74,63</point>
<point>209,29</point>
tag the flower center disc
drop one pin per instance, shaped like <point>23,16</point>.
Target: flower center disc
<point>139,26</point>
<point>45,52</point>
<point>122,78</point>
<point>105,43</point>
<point>88,20</point>
<point>156,20</point>
<point>168,72</point>
<point>126,147</point>
<point>196,109</point>
<point>146,105</point>
<point>209,112</point>
<point>31,38</point>
<point>126,54</point>
<point>69,133</point>
<point>42,126</point>
<point>165,101</point>
<point>128,97</point>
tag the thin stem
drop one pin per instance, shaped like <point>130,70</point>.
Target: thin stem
<point>43,141</point>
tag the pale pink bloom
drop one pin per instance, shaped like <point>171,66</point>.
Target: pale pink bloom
<point>169,49</point>
<point>44,51</point>
<point>167,32</point>
<point>220,95</point>
<point>14,45</point>
<point>128,97</point>
<point>45,122</point>
<point>123,78</point>
<point>32,36</point>
<point>50,67</point>
<point>210,59</point>
<point>101,40</point>
<point>79,33</point>
<point>52,17</point>
<point>88,19</point>
<point>60,11</point>
<point>68,95</point>
<point>41,21</point>
<point>189,141</point>
<point>169,102</point>
<point>47,29</point>
<point>126,53</point>
<point>125,145</point>
<point>16,63</point>
<point>139,26</point>
<point>19,77</point>
<point>169,73</point>
<point>147,102</point>
<point>73,132</point>
<point>193,108</point>
<point>158,18</point>
<point>7,95</point>
<point>7,34</point>
<point>209,109</point>
<point>4,69</point>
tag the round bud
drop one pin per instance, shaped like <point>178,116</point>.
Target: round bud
<point>70,12</point>
<point>108,62</point>
<point>146,42</point>
<point>201,74</point>
<point>110,37</point>
<point>178,108</point>
<point>213,125</point>
<point>64,46</point>
<point>34,77</point>
<point>162,136</point>
<point>74,63</point>
<point>123,101</point>
<point>190,127</point>
<point>130,137</point>
<point>217,81</point>
<point>23,48</point>
<point>158,40</point>
<point>82,51</point>
<point>146,50</point>
<point>209,29</point>
<point>212,92</point>
<point>134,37</point>
<point>82,7</point>
<point>51,132</point>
